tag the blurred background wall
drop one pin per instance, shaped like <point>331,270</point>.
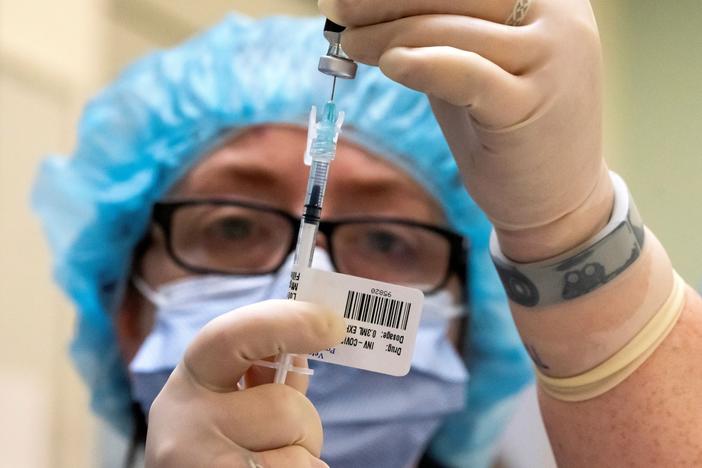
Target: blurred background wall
<point>55,55</point>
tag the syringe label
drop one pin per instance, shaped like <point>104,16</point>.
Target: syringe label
<point>382,319</point>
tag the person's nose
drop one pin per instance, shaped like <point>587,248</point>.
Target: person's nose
<point>322,241</point>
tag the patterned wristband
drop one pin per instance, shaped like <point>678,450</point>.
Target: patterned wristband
<point>581,270</point>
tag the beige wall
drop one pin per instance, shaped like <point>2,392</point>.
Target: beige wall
<point>46,69</point>
<point>53,55</point>
<point>659,106</point>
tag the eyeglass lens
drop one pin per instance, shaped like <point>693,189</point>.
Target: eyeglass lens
<point>230,239</point>
<point>241,240</point>
<point>390,252</point>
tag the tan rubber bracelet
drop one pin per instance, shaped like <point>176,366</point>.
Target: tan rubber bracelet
<point>621,365</point>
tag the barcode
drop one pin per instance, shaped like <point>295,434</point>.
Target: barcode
<point>377,310</point>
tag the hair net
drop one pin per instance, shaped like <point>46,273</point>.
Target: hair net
<point>142,133</point>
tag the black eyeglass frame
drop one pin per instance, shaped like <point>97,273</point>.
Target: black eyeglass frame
<point>162,216</point>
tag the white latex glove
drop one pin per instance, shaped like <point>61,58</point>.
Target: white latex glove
<point>201,418</point>
<point>519,106</point>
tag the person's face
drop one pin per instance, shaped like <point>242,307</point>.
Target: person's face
<point>264,165</point>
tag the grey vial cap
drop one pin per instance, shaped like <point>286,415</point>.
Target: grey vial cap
<point>337,66</point>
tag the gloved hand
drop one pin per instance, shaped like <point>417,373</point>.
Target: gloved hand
<point>520,106</point>
<point>201,417</point>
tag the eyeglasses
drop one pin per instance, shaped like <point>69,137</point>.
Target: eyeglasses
<point>231,237</point>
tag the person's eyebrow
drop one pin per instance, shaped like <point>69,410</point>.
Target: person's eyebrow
<point>375,183</point>
<point>220,175</point>
<point>250,172</point>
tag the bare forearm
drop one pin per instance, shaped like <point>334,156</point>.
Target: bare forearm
<point>652,419</point>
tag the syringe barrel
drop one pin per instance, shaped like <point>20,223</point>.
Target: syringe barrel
<point>306,238</point>
<point>317,184</point>
<point>320,152</point>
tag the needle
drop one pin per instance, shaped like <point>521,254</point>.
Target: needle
<point>333,89</point>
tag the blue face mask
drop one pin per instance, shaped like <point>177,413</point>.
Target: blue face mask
<point>369,419</point>
<point>183,307</point>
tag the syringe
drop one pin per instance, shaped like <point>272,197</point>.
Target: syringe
<point>321,148</point>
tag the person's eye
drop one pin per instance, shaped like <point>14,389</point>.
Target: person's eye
<point>232,228</point>
<point>386,243</point>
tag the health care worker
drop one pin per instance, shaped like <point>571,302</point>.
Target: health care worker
<point>610,328</point>
<point>214,131</point>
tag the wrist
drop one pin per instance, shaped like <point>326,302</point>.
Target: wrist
<point>565,233</point>
<point>572,337</point>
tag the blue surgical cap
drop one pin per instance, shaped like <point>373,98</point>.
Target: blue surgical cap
<point>142,133</point>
